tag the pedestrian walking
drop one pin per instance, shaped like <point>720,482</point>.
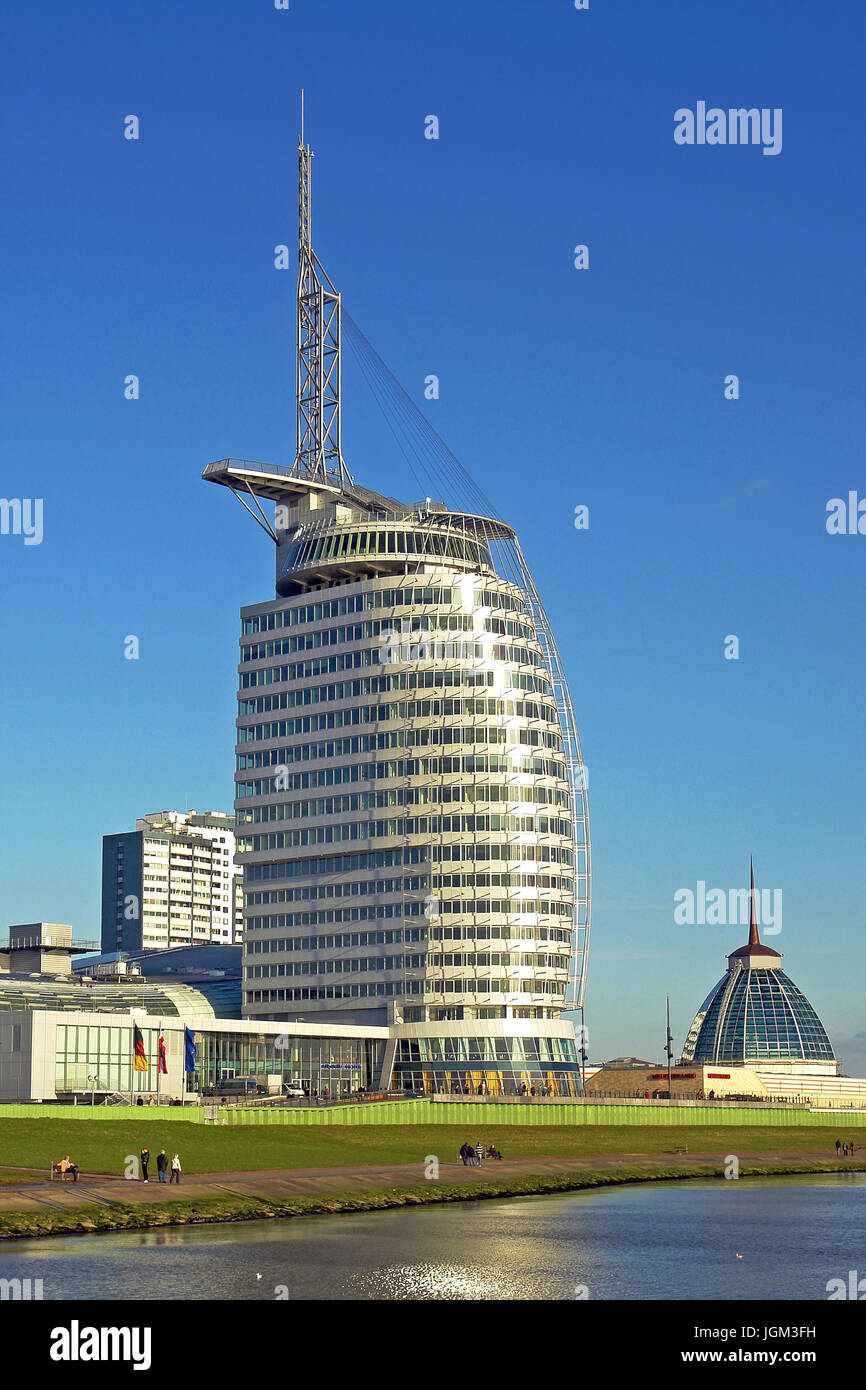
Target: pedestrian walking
<point>479,1152</point>
<point>175,1171</point>
<point>162,1165</point>
<point>145,1159</point>
<point>838,1147</point>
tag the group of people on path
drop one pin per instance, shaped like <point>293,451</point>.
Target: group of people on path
<point>847,1150</point>
<point>472,1156</point>
<point>162,1165</point>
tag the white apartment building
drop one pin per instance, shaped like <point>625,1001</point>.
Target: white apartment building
<point>171,882</point>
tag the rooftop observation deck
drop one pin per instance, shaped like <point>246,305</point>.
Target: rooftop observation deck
<point>269,480</point>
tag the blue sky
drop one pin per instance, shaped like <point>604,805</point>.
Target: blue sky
<point>558,387</point>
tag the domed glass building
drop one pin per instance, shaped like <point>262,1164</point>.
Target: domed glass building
<point>757,1014</point>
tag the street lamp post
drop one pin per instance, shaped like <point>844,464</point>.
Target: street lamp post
<point>582,1054</point>
<point>668,1050</point>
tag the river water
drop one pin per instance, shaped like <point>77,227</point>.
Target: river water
<point>765,1238</point>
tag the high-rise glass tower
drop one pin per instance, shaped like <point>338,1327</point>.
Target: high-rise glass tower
<point>411,797</point>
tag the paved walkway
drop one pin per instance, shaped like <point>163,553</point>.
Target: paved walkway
<point>103,1190</point>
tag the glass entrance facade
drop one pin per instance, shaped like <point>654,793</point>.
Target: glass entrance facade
<point>492,1066</point>
<point>329,1067</point>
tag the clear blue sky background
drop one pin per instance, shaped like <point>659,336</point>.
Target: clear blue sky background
<point>558,387</point>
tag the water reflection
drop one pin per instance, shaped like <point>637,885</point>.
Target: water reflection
<point>766,1239</point>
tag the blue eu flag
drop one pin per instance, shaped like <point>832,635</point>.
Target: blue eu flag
<point>189,1050</point>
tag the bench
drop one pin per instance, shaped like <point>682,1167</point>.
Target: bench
<point>58,1172</point>
<point>681,1148</point>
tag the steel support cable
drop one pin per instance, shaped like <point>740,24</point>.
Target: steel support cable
<point>436,460</point>
<point>368,377</point>
<point>467,487</point>
<point>377,377</point>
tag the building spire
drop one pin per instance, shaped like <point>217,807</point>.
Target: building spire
<point>754,940</point>
<point>318,455</point>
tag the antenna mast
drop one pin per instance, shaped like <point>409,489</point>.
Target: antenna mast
<point>319,455</point>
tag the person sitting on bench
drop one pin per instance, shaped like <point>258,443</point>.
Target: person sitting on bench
<point>66,1166</point>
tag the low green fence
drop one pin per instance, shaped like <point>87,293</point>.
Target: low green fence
<point>469,1113</point>
<point>190,1113</point>
<point>412,1112</point>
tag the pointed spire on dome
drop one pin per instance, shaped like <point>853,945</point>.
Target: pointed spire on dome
<point>754,939</point>
<point>754,951</point>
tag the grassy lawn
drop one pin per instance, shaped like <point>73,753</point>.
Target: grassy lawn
<point>103,1147</point>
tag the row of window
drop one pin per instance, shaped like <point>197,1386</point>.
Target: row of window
<point>338,941</point>
<point>456,907</point>
<point>375,989</point>
<point>345,544</point>
<point>370,912</point>
<point>446,679</point>
<point>397,768</point>
<point>370,965</point>
<point>334,941</point>
<point>471,960</point>
<point>343,661</point>
<point>402,796</point>
<point>401,738</point>
<point>352,888</point>
<point>559,885</point>
<point>403,597</point>
<point>511,932</point>
<point>408,825</point>
<point>384,654</point>
<point>543,854</point>
<point>383,887</point>
<point>374,627</point>
<point>403,709</point>
<point>456,1049</point>
<point>467,985</point>
<point>344,864</point>
<point>351,965</point>
<point>339,863</point>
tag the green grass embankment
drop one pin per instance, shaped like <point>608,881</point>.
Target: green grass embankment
<point>103,1147</point>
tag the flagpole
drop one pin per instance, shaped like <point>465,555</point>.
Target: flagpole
<point>158,1058</point>
<point>131,1060</point>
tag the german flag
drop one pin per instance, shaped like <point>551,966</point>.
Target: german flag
<point>140,1063</point>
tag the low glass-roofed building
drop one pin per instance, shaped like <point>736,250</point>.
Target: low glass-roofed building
<point>167,1000</point>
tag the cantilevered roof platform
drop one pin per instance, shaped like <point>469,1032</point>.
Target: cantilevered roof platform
<point>269,480</point>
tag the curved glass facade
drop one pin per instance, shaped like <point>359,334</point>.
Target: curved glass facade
<point>757,1015</point>
<point>410,836</point>
<point>488,1065</point>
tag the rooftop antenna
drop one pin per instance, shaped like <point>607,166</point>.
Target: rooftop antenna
<point>318,452</point>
